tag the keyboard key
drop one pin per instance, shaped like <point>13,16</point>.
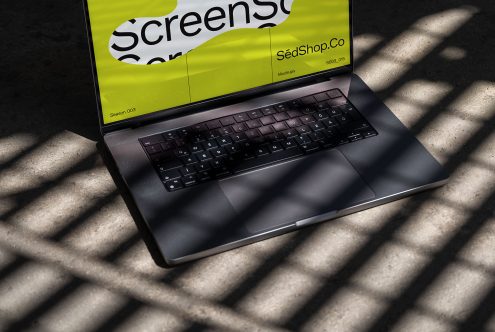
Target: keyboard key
<point>170,175</point>
<point>307,119</point>
<point>330,123</point>
<point>212,134</point>
<point>210,144</point>
<point>186,170</point>
<point>166,164</point>
<point>253,133</point>
<point>337,101</point>
<point>303,139</point>
<point>321,115</point>
<point>294,113</point>
<point>266,130</point>
<point>281,116</point>
<point>334,111</point>
<point>369,133</point>
<point>239,137</point>
<point>310,147</point>
<point>290,133</point>
<point>218,152</point>
<point>169,145</point>
<point>255,114</point>
<point>308,100</point>
<point>220,172</point>
<point>321,96</point>
<point>181,152</point>
<point>204,176</point>
<point>342,119</point>
<point>225,140</point>
<point>189,160</point>
<point>317,136</point>
<point>281,107</point>
<point>196,148</point>
<point>241,117</point>
<point>225,131</point>
<point>203,156</point>
<point>152,140</point>
<point>334,93</point>
<point>174,185</point>
<point>171,135</point>
<point>189,180</point>
<point>253,124</point>
<point>214,124</point>
<point>267,120</point>
<point>154,149</point>
<point>198,128</point>
<point>292,123</point>
<point>317,126</point>
<point>217,163</point>
<point>240,127</point>
<point>308,109</point>
<point>204,166</point>
<point>261,151</point>
<point>322,106</point>
<point>275,147</point>
<point>227,121</point>
<point>279,126</point>
<point>232,149</point>
<point>303,130</point>
<point>266,160</point>
<point>354,137</point>
<point>289,144</point>
<point>268,110</point>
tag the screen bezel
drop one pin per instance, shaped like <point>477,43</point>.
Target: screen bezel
<point>214,102</point>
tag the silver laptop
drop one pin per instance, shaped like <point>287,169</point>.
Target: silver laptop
<point>232,121</point>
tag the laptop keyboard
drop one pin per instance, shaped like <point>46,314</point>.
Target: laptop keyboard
<point>245,141</point>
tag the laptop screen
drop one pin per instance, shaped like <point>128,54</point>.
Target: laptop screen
<point>153,55</point>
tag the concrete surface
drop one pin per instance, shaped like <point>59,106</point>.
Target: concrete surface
<point>71,258</point>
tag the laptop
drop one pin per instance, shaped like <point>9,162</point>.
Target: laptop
<point>233,121</point>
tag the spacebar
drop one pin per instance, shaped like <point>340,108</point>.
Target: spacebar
<point>266,160</point>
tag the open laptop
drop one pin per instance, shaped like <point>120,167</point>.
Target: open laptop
<point>232,121</point>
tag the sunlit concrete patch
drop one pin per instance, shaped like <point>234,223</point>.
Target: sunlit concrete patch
<point>152,319</point>
<point>349,310</point>
<point>315,258</point>
<point>411,46</point>
<point>280,294</point>
<point>14,145</point>
<point>453,53</point>
<point>364,43</point>
<point>479,250</point>
<point>477,101</point>
<point>456,291</point>
<point>27,286</point>
<point>390,269</point>
<point>419,321</point>
<point>65,151</point>
<point>82,309</point>
<point>415,99</point>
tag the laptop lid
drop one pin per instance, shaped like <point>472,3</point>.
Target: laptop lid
<point>157,58</point>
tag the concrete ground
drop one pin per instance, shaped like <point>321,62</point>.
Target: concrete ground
<point>72,259</point>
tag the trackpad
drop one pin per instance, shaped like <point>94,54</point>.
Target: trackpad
<point>281,195</point>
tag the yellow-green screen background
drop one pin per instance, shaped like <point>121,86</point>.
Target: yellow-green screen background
<point>232,62</point>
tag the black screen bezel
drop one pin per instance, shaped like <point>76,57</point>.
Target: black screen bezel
<point>207,104</point>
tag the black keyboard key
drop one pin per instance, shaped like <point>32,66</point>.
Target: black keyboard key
<point>321,97</point>
<point>310,147</point>
<point>232,149</point>
<point>307,119</point>
<point>186,170</point>
<point>181,152</point>
<point>290,133</point>
<point>194,148</point>
<point>275,147</point>
<point>214,124</point>
<point>171,135</point>
<point>328,142</point>
<point>337,101</point>
<point>294,113</point>
<point>227,121</point>
<point>204,166</point>
<point>342,140</point>
<point>308,109</point>
<point>255,114</point>
<point>266,160</point>
<point>266,130</point>
<point>220,172</point>
<point>342,119</point>
<point>189,160</point>
<point>210,144</point>
<point>281,107</point>
<point>359,125</point>
<point>279,126</point>
<point>225,140</point>
<point>268,110</point>
<point>225,131</point>
<point>151,140</point>
<point>334,111</point>
<point>334,93</point>
<point>354,137</point>
<point>169,145</point>
<point>203,156</point>
<point>369,133</point>
<point>198,128</point>
<point>240,127</point>
<point>261,151</point>
<point>171,174</point>
<point>253,133</point>
<point>322,106</point>
<point>321,115</point>
<point>289,144</point>
<point>239,137</point>
<point>330,123</point>
<point>317,135</point>
<point>218,163</point>
<point>308,100</point>
<point>189,180</point>
<point>267,120</point>
<point>154,149</point>
<point>292,123</point>
<point>166,161</point>
<point>253,124</point>
<point>204,176</point>
<point>174,185</point>
<point>317,126</point>
<point>303,139</point>
<point>281,116</point>
<point>303,130</point>
<point>241,117</point>
<point>218,152</point>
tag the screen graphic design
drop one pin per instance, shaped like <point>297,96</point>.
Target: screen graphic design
<point>152,55</point>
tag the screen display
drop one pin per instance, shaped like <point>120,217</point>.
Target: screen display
<point>152,55</point>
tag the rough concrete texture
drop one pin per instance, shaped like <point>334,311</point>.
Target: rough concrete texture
<point>72,259</point>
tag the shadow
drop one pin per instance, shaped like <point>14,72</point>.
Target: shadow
<point>50,91</point>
